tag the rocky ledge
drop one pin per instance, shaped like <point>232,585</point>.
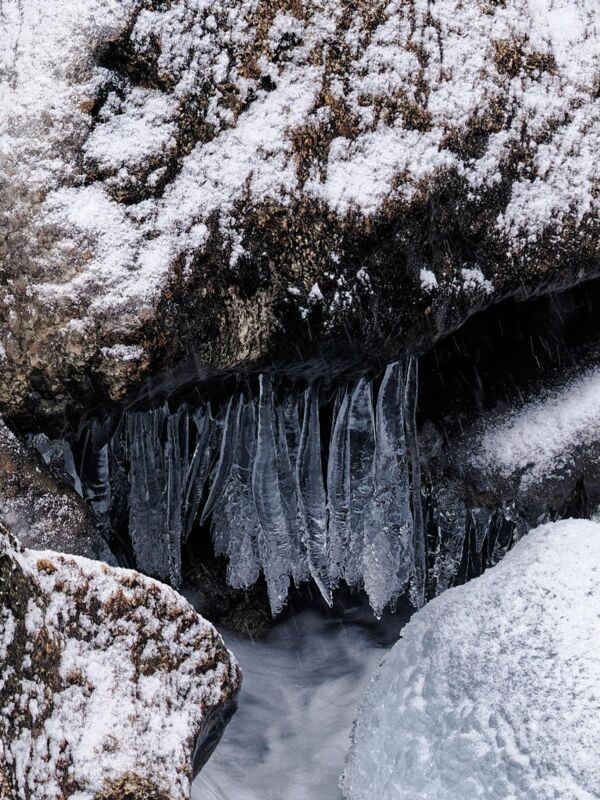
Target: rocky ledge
<point>112,687</point>
<point>240,183</point>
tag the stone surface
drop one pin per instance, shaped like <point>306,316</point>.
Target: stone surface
<point>111,686</point>
<point>41,510</point>
<point>229,184</point>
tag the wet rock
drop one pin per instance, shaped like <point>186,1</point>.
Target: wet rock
<point>113,688</point>
<point>39,508</point>
<point>305,185</point>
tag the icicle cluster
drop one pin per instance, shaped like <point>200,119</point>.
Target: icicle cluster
<point>255,470</point>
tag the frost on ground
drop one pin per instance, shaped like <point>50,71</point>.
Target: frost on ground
<point>145,143</point>
<point>107,680</point>
<point>494,689</point>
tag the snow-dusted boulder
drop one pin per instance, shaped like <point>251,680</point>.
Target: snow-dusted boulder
<point>216,179</point>
<point>493,690</point>
<point>111,686</point>
<point>511,469</point>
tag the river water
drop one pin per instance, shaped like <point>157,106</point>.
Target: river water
<point>302,683</point>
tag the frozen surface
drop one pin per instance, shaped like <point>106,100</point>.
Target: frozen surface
<point>493,692</point>
<point>540,438</point>
<point>301,685</point>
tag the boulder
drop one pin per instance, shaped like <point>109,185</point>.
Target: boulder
<point>188,190</point>
<point>111,686</point>
<point>38,507</point>
<point>492,690</point>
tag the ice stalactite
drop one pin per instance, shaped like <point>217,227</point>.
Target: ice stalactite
<point>312,497</point>
<point>361,462</point>
<point>199,467</point>
<point>95,464</point>
<point>253,470</point>
<point>151,495</point>
<point>274,538</point>
<point>419,586</point>
<point>388,558</point>
<point>338,492</point>
<point>234,518</point>
<point>288,487</point>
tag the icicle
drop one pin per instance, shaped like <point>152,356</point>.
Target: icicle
<point>235,522</point>
<point>289,498</point>
<point>389,555</point>
<point>223,467</point>
<point>309,473</point>
<point>69,468</point>
<point>198,469</point>
<point>292,411</point>
<point>119,485</point>
<point>274,534</point>
<point>420,546</point>
<point>361,457</point>
<point>96,484</point>
<point>450,516</point>
<point>175,457</point>
<point>338,493</point>
<point>146,517</point>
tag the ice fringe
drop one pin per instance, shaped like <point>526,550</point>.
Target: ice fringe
<point>254,469</point>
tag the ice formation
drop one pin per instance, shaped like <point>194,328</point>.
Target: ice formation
<point>253,468</point>
<point>492,692</point>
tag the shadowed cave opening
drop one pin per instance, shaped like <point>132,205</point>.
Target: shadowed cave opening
<point>495,360</point>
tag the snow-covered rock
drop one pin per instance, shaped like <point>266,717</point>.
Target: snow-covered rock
<point>177,178</point>
<point>110,684</point>
<point>493,692</point>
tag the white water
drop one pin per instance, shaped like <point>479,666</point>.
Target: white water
<point>290,735</point>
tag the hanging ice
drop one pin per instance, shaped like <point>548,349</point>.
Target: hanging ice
<point>199,467</point>
<point>274,532</point>
<point>221,471</point>
<point>338,492</point>
<point>388,552</point>
<point>420,549</point>
<point>256,474</point>
<point>361,456</point>
<point>175,466</point>
<point>288,488</point>
<point>234,520</point>
<point>146,517</point>
<point>309,472</point>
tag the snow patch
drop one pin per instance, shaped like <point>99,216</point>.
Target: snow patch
<point>539,439</point>
<point>493,690</point>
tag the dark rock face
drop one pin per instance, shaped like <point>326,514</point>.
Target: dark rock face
<point>42,511</point>
<point>301,185</point>
<point>110,681</point>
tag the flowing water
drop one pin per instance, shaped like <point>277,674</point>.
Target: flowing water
<point>301,686</point>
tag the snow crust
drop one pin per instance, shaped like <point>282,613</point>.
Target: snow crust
<point>540,439</point>
<point>493,692</point>
<point>408,78</point>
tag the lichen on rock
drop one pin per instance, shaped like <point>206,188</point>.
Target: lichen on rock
<point>108,680</point>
